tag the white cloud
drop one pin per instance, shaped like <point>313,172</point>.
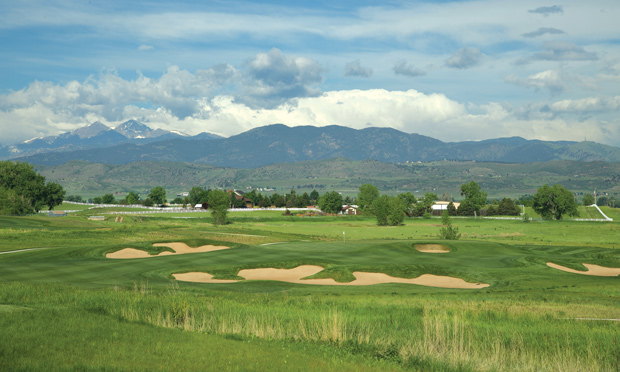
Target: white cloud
<point>144,47</point>
<point>545,11</point>
<point>354,68</point>
<point>549,80</point>
<point>273,78</point>
<point>407,69</point>
<point>585,105</point>
<point>544,31</point>
<point>560,51</point>
<point>410,111</point>
<point>464,58</point>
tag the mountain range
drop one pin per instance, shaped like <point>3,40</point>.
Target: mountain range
<point>278,143</point>
<point>95,135</point>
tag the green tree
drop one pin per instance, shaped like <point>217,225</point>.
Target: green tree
<point>158,195</point>
<point>198,195</point>
<point>314,196</point>
<point>219,202</point>
<point>424,205</point>
<point>467,208</point>
<point>448,231</point>
<point>11,203</point>
<point>492,210</point>
<point>588,199</point>
<point>330,202</point>
<point>408,200</point>
<point>53,195</point>
<point>132,198</point>
<point>507,207</point>
<point>389,210</point>
<point>451,209</point>
<point>24,181</point>
<point>397,212</point>
<point>554,202</point>
<point>303,201</point>
<point>474,196</point>
<point>366,196</point>
<point>107,199</point>
<point>278,200</point>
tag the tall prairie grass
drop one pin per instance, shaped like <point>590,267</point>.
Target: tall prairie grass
<point>416,331</point>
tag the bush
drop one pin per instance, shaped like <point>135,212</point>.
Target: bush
<point>448,232</point>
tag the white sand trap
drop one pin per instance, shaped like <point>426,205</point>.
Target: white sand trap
<point>428,280</point>
<point>179,248</point>
<point>594,270</point>
<point>361,278</point>
<point>432,248</point>
<point>198,277</point>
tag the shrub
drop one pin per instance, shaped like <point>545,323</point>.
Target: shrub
<point>448,232</point>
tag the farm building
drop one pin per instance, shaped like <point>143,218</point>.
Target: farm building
<point>443,205</point>
<point>247,203</point>
<point>351,210</point>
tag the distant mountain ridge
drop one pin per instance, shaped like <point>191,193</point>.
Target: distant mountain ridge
<point>278,143</point>
<point>95,135</point>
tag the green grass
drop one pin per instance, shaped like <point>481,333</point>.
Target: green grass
<point>67,307</point>
<point>84,337</point>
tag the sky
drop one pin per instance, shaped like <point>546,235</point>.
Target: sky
<point>451,70</point>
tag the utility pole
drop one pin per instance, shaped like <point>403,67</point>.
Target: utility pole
<point>595,195</point>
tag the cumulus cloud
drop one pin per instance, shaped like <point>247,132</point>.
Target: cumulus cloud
<point>407,69</point>
<point>549,80</point>
<point>545,11</point>
<point>145,47</point>
<point>585,105</point>
<point>464,58</point>
<point>273,78</point>
<point>560,51</point>
<point>544,31</point>
<point>60,107</point>
<point>354,68</point>
<point>41,111</point>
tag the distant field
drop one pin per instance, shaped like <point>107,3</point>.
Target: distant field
<point>69,307</point>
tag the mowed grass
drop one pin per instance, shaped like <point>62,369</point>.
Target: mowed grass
<point>68,307</point>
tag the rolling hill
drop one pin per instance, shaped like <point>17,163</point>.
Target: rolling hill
<point>344,175</point>
<point>279,143</point>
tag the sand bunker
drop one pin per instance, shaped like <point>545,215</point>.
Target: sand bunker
<point>198,277</point>
<point>179,248</point>
<point>432,248</point>
<point>594,270</point>
<point>361,278</point>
